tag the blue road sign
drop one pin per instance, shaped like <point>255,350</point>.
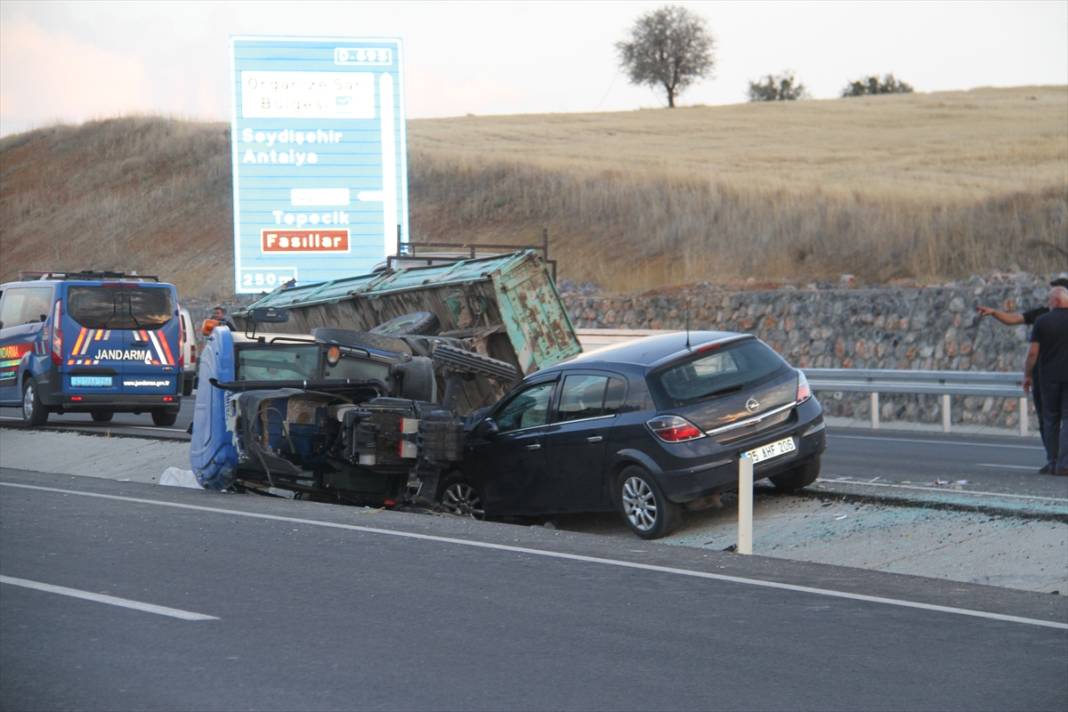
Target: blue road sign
<point>319,158</point>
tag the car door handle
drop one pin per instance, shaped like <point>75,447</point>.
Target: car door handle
<point>594,439</point>
<point>535,446</point>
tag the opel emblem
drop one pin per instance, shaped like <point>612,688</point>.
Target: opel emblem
<point>752,405</point>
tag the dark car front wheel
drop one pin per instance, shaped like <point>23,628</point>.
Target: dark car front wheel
<point>798,478</point>
<point>460,497</point>
<point>101,416</point>
<point>645,509</point>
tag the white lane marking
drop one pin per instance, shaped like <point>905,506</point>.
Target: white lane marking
<point>943,490</point>
<point>110,600</point>
<point>1032,468</point>
<point>940,443</point>
<point>569,557</point>
<point>56,427</point>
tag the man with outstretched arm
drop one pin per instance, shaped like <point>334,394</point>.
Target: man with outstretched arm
<point>1028,317</point>
<point>1049,355</point>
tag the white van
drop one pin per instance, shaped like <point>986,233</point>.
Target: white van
<point>189,352</point>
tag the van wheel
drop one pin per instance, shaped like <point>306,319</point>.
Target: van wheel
<point>187,386</point>
<point>164,417</point>
<point>645,509</point>
<point>101,416</point>
<point>34,412</point>
<point>801,476</point>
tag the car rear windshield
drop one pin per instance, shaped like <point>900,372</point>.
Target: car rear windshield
<point>120,307</point>
<point>719,372</point>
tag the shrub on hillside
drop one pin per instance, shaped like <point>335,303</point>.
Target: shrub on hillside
<point>866,86</point>
<point>779,87</point>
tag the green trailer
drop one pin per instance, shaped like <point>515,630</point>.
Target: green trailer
<point>505,306</point>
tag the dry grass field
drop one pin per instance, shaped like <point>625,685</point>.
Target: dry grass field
<point>924,186</point>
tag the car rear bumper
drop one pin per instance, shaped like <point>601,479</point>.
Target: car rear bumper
<point>690,483</point>
<point>116,403</point>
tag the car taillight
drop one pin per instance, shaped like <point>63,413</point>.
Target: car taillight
<point>804,391</point>
<point>192,354</point>
<point>57,334</point>
<point>674,429</point>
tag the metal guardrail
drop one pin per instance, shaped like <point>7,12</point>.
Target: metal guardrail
<point>996,384</point>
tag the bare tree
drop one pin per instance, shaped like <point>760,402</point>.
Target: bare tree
<point>779,87</point>
<point>669,48</point>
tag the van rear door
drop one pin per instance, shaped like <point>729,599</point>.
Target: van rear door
<point>123,338</point>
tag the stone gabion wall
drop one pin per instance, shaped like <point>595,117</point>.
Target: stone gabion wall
<point>890,327</point>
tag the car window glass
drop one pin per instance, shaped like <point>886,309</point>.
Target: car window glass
<point>357,369</point>
<point>613,400</point>
<point>25,305</point>
<point>527,409</point>
<point>124,307</point>
<point>582,397</point>
<point>9,307</point>
<point>278,363</point>
<point>720,371</point>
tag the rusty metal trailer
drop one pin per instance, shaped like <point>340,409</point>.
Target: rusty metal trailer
<point>504,306</point>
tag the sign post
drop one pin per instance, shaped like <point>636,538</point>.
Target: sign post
<point>319,158</point>
<point>745,505</point>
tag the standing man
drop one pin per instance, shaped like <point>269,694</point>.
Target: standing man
<point>1028,317</point>
<point>1049,350</point>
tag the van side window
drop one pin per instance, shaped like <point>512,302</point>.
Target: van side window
<point>25,305</point>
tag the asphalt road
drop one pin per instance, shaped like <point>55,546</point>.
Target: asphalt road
<point>353,608</point>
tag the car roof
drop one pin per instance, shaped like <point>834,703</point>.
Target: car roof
<point>648,351</point>
<point>81,283</point>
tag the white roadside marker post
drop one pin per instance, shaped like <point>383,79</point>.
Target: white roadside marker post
<point>745,505</point>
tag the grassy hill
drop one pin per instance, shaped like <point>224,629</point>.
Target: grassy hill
<point>924,186</point>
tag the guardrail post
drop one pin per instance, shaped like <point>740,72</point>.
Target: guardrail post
<point>874,411</point>
<point>947,416</point>
<point>745,505</point>
<point>1025,416</point>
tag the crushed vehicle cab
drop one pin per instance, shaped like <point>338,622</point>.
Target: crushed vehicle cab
<point>353,416</point>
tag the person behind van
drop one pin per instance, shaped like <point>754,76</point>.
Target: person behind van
<point>218,318</point>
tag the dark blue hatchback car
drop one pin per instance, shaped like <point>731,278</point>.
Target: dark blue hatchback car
<point>648,428</point>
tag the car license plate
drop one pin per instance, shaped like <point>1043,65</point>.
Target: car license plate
<point>90,381</point>
<point>779,447</point>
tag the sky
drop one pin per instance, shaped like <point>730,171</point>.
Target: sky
<point>75,61</point>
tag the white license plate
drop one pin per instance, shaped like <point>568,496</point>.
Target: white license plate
<point>766,452</point>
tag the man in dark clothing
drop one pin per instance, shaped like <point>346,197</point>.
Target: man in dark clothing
<point>1029,318</point>
<point>1049,352</point>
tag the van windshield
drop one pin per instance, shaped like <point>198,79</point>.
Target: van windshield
<point>120,307</point>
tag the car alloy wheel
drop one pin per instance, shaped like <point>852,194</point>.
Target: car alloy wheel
<point>639,504</point>
<point>463,500</point>
<point>645,508</point>
<point>34,412</point>
<point>27,402</point>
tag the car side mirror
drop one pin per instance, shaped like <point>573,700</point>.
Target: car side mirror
<point>487,428</point>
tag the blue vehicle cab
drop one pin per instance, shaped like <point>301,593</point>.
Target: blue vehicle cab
<point>90,342</point>
<point>336,414</point>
